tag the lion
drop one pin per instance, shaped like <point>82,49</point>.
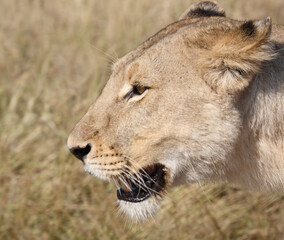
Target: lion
<point>201,100</point>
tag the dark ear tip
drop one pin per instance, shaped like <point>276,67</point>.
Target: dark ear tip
<point>205,9</point>
<point>248,28</point>
<point>258,27</point>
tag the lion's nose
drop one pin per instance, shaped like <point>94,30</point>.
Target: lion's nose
<point>80,152</point>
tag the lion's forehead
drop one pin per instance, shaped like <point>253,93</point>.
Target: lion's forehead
<point>173,29</point>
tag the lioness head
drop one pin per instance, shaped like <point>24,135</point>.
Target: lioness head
<point>169,113</point>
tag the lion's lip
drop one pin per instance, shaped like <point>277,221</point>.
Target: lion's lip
<point>154,182</point>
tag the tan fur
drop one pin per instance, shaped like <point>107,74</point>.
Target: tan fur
<point>214,110</point>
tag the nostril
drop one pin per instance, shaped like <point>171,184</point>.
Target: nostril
<point>81,152</point>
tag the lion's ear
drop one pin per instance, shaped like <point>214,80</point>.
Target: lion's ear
<point>231,54</point>
<point>203,9</point>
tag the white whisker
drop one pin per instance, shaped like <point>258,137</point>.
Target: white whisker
<point>113,58</point>
<point>146,175</point>
<point>122,179</point>
<point>137,181</point>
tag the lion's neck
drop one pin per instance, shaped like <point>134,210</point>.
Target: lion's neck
<point>260,152</point>
<point>259,164</point>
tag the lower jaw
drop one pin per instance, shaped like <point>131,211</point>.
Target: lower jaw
<point>133,198</point>
<point>140,211</point>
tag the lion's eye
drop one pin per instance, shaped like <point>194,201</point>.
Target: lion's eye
<point>136,90</point>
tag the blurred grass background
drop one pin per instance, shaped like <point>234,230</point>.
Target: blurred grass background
<point>55,56</point>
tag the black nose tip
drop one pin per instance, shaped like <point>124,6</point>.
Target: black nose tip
<point>80,153</point>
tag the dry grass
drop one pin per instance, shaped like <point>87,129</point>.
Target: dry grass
<point>54,58</point>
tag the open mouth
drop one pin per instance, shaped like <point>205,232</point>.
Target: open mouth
<point>143,184</point>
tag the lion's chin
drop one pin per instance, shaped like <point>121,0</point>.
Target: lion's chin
<point>140,211</point>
